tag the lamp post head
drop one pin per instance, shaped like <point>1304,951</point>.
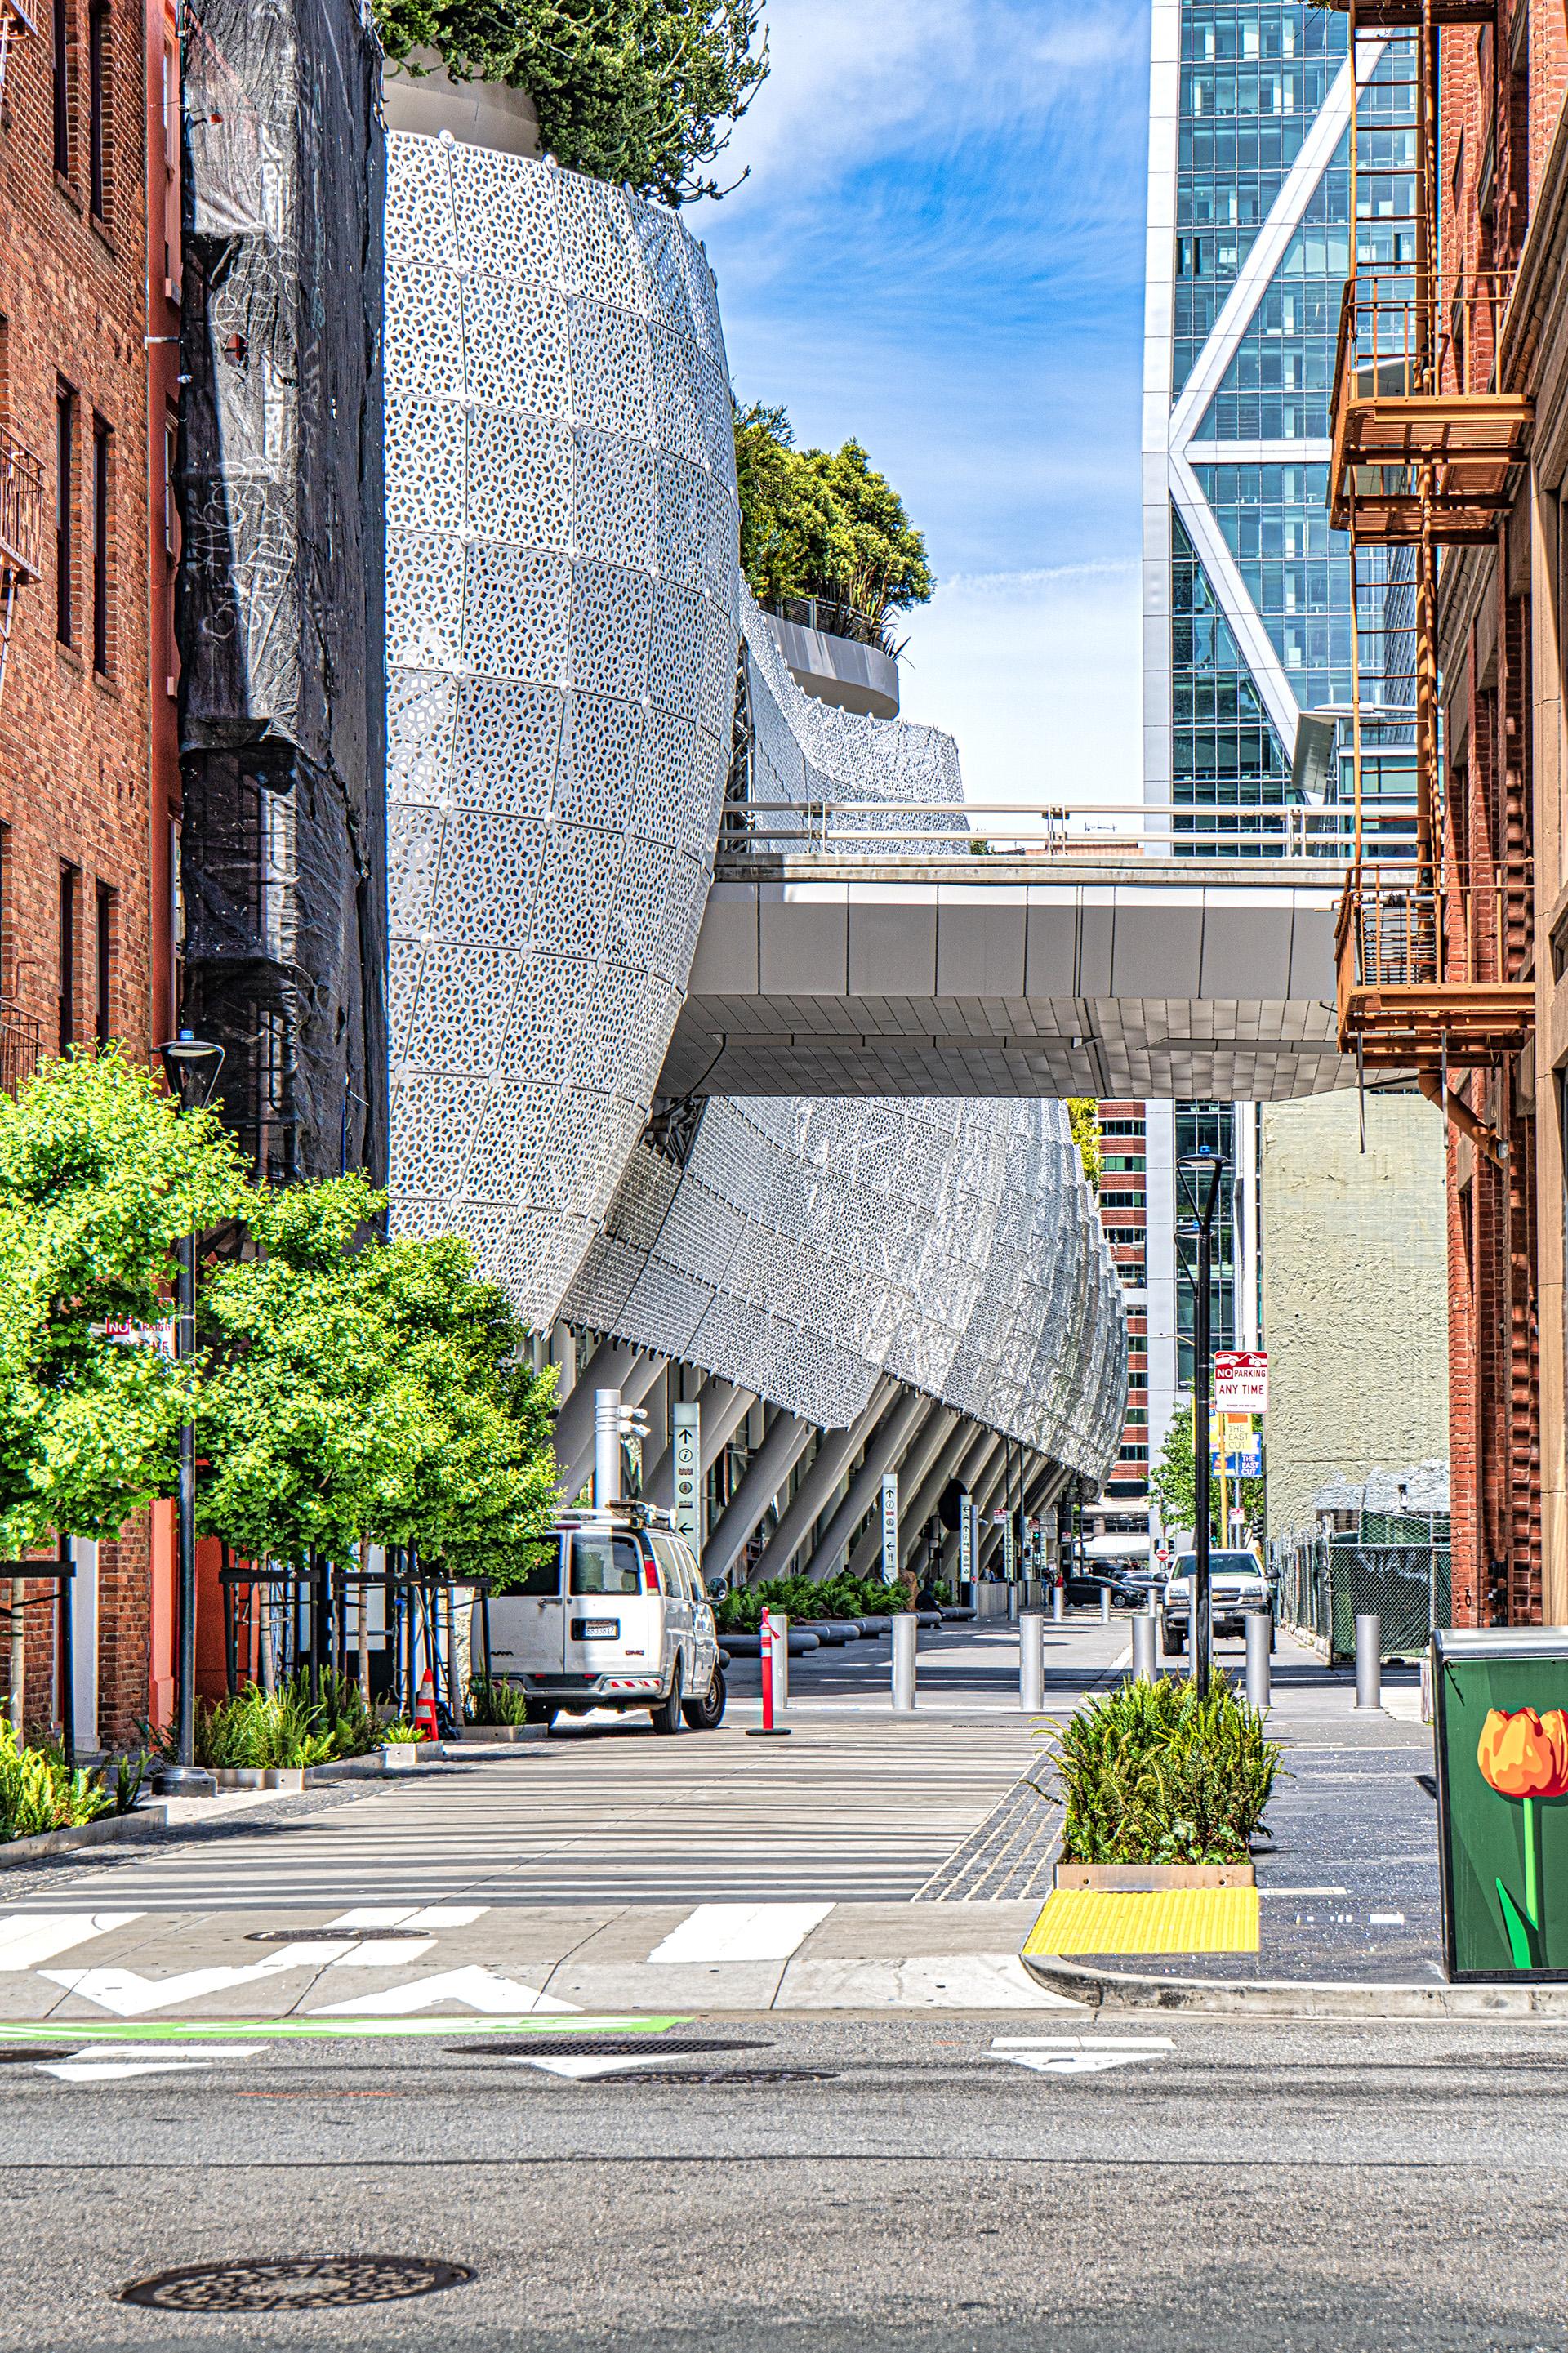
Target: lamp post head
<point>1201,1172</point>
<point>191,1066</point>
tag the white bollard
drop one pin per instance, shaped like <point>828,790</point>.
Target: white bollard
<point>1143,1667</point>
<point>780,1627</point>
<point>1259,1629</point>
<point>1056,1603</point>
<point>1105,1605</point>
<point>1369,1662</point>
<point>1032,1661</point>
<point>904,1632</point>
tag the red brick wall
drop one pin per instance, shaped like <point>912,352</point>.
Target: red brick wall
<point>78,794</point>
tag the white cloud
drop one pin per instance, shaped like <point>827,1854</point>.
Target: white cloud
<point>1038,676</point>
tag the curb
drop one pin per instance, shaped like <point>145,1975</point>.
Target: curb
<point>1280,1998</point>
<point>110,1830</point>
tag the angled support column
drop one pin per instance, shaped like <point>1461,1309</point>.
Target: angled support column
<point>888,1445</point>
<point>911,1468</point>
<point>811,1498</point>
<point>972,1474</point>
<point>961,1445</point>
<point>634,1384</point>
<point>609,1367</point>
<point>724,1409</point>
<point>763,1475</point>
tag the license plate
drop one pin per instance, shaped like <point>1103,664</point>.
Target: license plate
<point>595,1629</point>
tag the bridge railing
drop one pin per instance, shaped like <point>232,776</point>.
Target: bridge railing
<point>1085,829</point>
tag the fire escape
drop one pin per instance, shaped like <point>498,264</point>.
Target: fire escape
<point>1431,972</point>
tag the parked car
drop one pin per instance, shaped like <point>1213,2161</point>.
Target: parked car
<point>1087,1584</point>
<point>615,1615</point>
<point>1238,1588</point>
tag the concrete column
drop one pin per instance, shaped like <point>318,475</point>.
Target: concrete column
<point>763,1475</point>
<point>961,1444</point>
<point>913,1472</point>
<point>812,1497</point>
<point>634,1386</point>
<point>724,1409</point>
<point>889,1443</point>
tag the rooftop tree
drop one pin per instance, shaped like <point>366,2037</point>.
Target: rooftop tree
<point>645,92</point>
<point>821,522</point>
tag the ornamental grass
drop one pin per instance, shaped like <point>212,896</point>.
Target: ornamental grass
<point>1152,1774</point>
<point>39,1791</point>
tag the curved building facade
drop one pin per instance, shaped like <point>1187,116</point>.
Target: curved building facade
<point>575,671</point>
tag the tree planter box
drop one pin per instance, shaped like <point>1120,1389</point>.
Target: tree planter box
<point>400,1756</point>
<point>482,1734</point>
<point>110,1830</point>
<point>240,1777</point>
<point>1149,1878</point>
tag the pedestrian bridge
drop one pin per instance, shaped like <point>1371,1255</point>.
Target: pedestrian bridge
<point>823,973</point>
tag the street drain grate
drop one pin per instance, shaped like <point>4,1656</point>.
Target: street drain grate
<point>743,2076</point>
<point>594,2046</point>
<point>298,2283</point>
<point>336,1936</point>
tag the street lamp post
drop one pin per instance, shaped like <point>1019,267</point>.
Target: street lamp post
<point>1200,1173</point>
<point>191,1067</point>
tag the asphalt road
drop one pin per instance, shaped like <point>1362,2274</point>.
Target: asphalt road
<point>1197,2183</point>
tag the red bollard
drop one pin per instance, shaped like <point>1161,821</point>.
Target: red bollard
<point>769,1729</point>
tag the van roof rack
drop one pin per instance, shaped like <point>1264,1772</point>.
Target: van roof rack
<point>627,1511</point>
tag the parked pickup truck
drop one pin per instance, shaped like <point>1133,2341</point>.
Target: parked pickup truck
<point>615,1615</point>
<point>1238,1587</point>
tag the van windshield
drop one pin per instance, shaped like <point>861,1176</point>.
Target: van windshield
<point>1221,1563</point>
<point>606,1565</point>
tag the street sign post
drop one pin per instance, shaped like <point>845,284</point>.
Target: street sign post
<point>686,1441</point>
<point>890,1528</point>
<point>1241,1380</point>
<point>966,1539</point>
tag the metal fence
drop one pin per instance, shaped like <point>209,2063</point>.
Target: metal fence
<point>1323,1584</point>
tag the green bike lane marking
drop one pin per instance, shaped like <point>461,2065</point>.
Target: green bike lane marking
<point>189,2029</point>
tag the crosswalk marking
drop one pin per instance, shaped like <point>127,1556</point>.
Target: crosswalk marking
<point>741,1932</point>
<point>474,1988</point>
<point>28,1939</point>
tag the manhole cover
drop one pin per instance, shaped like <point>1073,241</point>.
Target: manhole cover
<point>592,2046</point>
<point>21,2054</point>
<point>332,1936</point>
<point>298,2284</point>
<point>744,2076</point>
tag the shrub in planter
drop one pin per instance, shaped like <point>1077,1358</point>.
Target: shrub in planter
<point>39,1791</point>
<point>1152,1774</point>
<point>287,1727</point>
<point>493,1702</point>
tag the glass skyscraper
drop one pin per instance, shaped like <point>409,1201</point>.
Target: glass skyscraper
<point>1248,600</point>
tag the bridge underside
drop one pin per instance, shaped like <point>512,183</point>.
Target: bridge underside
<point>913,976</point>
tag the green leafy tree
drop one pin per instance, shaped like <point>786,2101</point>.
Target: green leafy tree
<point>642,91</point>
<point>1083,1113</point>
<point>101,1176</point>
<point>361,1390</point>
<point>819,522</point>
<point>1172,1482</point>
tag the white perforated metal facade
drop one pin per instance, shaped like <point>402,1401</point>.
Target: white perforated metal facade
<point>564,606</point>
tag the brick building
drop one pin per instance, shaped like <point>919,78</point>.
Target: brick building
<point>88,790</point>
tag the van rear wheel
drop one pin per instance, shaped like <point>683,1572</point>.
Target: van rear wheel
<point>706,1715</point>
<point>668,1715</point>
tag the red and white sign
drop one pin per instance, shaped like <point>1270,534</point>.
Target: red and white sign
<point>1241,1380</point>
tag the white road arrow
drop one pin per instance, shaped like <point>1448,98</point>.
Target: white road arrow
<point>474,1988</point>
<point>576,2070</point>
<point>130,1995</point>
<point>89,2067</point>
<point>1078,2054</point>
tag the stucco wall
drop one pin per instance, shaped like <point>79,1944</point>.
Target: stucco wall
<point>1354,1293</point>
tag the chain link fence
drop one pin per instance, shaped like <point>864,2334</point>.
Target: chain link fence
<point>1323,1583</point>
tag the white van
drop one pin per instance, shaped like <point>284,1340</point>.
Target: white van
<point>615,1616</point>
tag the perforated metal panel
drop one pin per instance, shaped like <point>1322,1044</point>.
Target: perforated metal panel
<point>564,605</point>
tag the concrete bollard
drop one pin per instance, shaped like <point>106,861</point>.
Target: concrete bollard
<point>1056,1603</point>
<point>1369,1662</point>
<point>1143,1667</point>
<point>1031,1661</point>
<point>1105,1605</point>
<point>1260,1626</point>
<point>904,1632</point>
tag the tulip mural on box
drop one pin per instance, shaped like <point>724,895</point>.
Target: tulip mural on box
<point>1524,1756</point>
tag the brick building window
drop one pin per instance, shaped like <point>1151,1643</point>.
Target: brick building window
<point>101,547</point>
<point>70,879</point>
<point>97,107</point>
<point>65,502</point>
<point>62,88</point>
<point>103,967</point>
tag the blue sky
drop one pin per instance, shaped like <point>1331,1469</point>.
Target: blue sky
<point>939,249</point>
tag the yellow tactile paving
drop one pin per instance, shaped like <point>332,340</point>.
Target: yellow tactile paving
<point>1192,1920</point>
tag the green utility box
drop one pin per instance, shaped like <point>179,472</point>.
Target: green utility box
<point>1500,1722</point>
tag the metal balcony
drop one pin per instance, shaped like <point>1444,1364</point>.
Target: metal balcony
<point>1417,453</point>
<point>21,511</point>
<point>1413,971</point>
<point>21,1044</point>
